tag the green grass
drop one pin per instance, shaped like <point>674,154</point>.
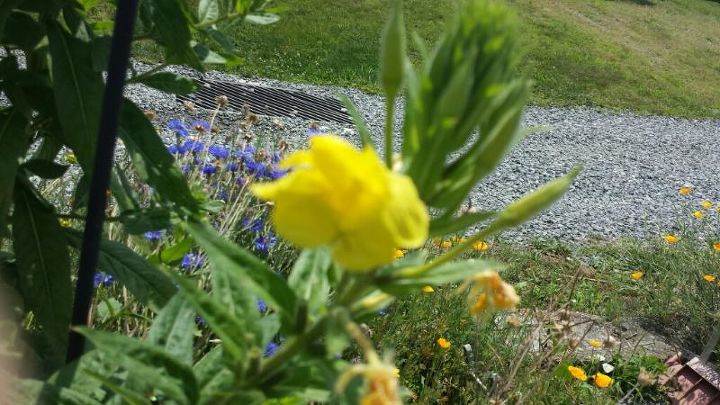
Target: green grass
<point>661,59</point>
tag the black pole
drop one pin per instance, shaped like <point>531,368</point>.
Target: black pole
<point>104,157</point>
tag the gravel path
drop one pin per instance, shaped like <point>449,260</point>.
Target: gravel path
<point>633,165</point>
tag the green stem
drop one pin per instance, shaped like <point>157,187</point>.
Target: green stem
<point>390,114</point>
<point>206,24</point>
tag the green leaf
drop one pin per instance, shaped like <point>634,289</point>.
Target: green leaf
<point>309,278</point>
<point>239,263</point>
<point>362,128</point>
<point>176,251</point>
<point>444,274</point>
<point>141,220</point>
<point>151,159</point>
<point>21,30</point>
<point>128,396</point>
<point>29,391</point>
<point>172,27</point>
<point>208,10</point>
<point>146,283</point>
<point>174,327</point>
<point>445,226</point>
<point>392,52</point>
<point>148,363</point>
<point>208,56</point>
<point>6,8</point>
<point>209,365</point>
<point>44,267</point>
<point>45,168</point>
<point>108,309</point>
<point>262,19</point>
<point>14,141</point>
<point>76,375</point>
<point>80,89</point>
<point>169,82</point>
<point>101,52</point>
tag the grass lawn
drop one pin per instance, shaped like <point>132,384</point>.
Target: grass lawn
<point>662,59</point>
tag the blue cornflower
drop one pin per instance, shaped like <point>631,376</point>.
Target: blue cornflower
<point>240,181</point>
<point>219,151</point>
<point>261,305</point>
<point>257,225</point>
<point>271,348</point>
<point>153,235</point>
<point>187,168</point>
<point>192,261</point>
<point>232,167</point>
<point>276,158</point>
<point>247,154</point>
<point>194,146</point>
<point>102,279</point>
<point>200,321</point>
<point>201,125</point>
<point>178,127</point>
<point>176,149</point>
<point>275,174</point>
<point>209,169</point>
<point>264,243</point>
<point>255,168</point>
<point>313,131</point>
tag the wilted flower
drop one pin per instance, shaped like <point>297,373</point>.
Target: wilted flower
<point>602,380</point>
<point>444,343</point>
<point>685,190</point>
<point>345,198</point>
<point>488,293</point>
<point>480,246</point>
<point>671,239</point>
<point>709,278</point>
<point>219,152</point>
<point>178,127</point>
<point>577,373</point>
<point>428,289</point>
<point>153,235</point>
<point>698,214</point>
<point>637,275</point>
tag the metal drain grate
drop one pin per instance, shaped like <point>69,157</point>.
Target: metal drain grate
<point>268,101</point>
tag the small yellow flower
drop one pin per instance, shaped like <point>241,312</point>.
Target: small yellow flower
<point>399,254</point>
<point>637,275</point>
<point>685,190</point>
<point>70,158</point>
<point>444,343</point>
<point>396,372</point>
<point>671,239</point>
<point>709,278</point>
<point>595,343</point>
<point>446,244</point>
<point>428,289</point>
<point>346,199</point>
<point>707,204</point>
<point>716,246</point>
<point>488,292</point>
<point>698,214</point>
<point>577,373</point>
<point>480,246</point>
<point>602,380</point>
<point>64,222</point>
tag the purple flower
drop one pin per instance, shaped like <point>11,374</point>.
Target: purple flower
<point>219,151</point>
<point>277,173</point>
<point>153,235</point>
<point>192,261</point>
<point>264,243</point>
<point>271,348</point>
<point>102,279</point>
<point>178,127</point>
<point>276,158</point>
<point>255,168</point>
<point>176,149</point>
<point>193,146</point>
<point>313,131</point>
<point>232,167</point>
<point>240,181</point>
<point>247,154</point>
<point>187,168</point>
<point>209,169</point>
<point>200,321</point>
<point>200,125</point>
<point>261,305</point>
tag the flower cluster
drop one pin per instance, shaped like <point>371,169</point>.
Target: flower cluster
<point>489,293</point>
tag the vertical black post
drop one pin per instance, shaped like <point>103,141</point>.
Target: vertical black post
<point>104,157</point>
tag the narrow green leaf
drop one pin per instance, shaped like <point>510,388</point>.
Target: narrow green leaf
<point>176,251</point>
<point>142,220</point>
<point>169,82</point>
<point>237,262</point>
<point>128,396</point>
<point>445,226</point>
<point>444,274</point>
<point>359,121</point>
<point>172,26</point>
<point>173,328</point>
<point>208,10</point>
<point>14,141</point>
<point>151,159</point>
<point>146,283</point>
<point>392,52</point>
<point>81,89</point>
<point>44,266</point>
<point>309,278</point>
<point>76,375</point>
<point>209,366</point>
<point>45,168</point>
<point>147,363</point>
<point>262,19</point>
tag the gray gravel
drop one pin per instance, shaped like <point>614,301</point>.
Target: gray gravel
<point>633,165</point>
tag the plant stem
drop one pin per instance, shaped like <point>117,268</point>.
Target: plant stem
<point>390,114</point>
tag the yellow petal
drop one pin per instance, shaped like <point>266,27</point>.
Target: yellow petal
<point>406,216</point>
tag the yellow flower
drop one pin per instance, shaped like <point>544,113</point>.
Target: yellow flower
<point>444,343</point>
<point>595,343</point>
<point>709,278</point>
<point>716,246</point>
<point>70,158</point>
<point>480,246</point>
<point>637,275</point>
<point>577,373</point>
<point>381,378</point>
<point>64,222</point>
<point>488,292</point>
<point>602,380</point>
<point>344,198</point>
<point>685,190</point>
<point>446,244</point>
<point>698,214</point>
<point>707,204</point>
<point>399,253</point>
<point>671,239</point>
<point>428,289</point>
